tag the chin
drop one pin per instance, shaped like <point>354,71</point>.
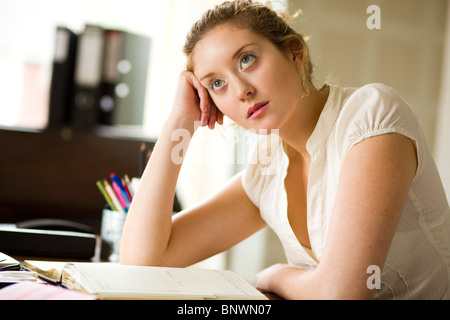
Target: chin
<point>267,132</point>
<point>268,128</point>
<point>263,131</point>
<point>262,128</point>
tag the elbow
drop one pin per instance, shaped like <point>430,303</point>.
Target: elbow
<point>129,258</point>
<point>141,256</point>
<point>134,250</point>
<point>135,256</point>
<point>331,287</point>
<point>343,293</point>
<point>137,260</point>
<point>129,255</point>
<point>343,288</point>
<point>331,293</point>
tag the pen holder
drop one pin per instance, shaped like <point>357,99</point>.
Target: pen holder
<point>111,234</point>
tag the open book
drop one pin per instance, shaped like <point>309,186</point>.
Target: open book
<point>114,281</point>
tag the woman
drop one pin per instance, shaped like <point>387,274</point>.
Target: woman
<point>351,188</point>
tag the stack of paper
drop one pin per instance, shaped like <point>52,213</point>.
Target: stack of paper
<point>114,281</point>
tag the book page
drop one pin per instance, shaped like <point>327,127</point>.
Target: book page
<point>50,270</point>
<point>7,262</point>
<point>114,280</point>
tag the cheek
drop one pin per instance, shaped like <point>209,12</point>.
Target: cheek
<point>223,103</point>
<point>229,109</point>
<point>225,106</point>
<point>287,81</point>
<point>282,76</point>
<point>219,103</point>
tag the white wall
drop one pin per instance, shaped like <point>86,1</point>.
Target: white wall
<point>406,53</point>
<point>443,127</point>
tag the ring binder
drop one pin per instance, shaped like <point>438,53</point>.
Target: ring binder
<point>62,77</point>
<point>98,77</point>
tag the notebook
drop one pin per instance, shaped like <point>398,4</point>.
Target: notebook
<point>110,281</point>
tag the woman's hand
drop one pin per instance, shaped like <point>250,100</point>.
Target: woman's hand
<point>264,279</point>
<point>193,103</point>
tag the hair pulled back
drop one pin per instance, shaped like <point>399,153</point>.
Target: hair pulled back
<point>256,17</point>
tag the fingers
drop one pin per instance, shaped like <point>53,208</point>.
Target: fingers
<point>219,117</point>
<point>210,114</point>
<point>212,117</point>
<point>216,115</point>
<point>204,100</point>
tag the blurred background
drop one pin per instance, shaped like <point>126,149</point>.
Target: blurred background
<point>410,51</point>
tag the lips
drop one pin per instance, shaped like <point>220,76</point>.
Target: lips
<point>257,110</point>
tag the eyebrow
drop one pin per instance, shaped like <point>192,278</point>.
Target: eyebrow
<point>234,57</point>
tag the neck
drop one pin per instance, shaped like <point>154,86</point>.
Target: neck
<point>301,124</point>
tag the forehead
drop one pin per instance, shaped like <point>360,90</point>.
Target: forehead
<point>220,44</point>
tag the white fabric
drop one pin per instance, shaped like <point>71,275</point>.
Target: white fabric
<point>418,263</point>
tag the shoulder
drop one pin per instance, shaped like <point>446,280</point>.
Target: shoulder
<point>375,90</point>
<point>374,104</point>
<point>371,110</point>
<point>380,104</point>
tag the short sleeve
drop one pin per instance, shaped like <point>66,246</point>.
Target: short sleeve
<point>374,110</point>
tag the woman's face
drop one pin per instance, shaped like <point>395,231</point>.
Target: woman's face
<point>249,79</point>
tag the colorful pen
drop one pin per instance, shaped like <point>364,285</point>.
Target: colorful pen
<point>120,195</point>
<point>129,186</point>
<point>106,196</point>
<point>125,185</point>
<point>117,180</point>
<point>113,197</point>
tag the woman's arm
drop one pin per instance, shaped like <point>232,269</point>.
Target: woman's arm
<point>150,237</point>
<point>374,184</point>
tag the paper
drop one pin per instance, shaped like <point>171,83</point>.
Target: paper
<point>50,270</point>
<point>18,276</point>
<point>8,263</point>
<point>118,281</point>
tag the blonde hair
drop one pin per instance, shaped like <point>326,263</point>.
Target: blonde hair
<point>258,18</point>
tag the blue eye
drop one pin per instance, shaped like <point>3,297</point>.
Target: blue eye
<point>216,84</point>
<point>247,61</point>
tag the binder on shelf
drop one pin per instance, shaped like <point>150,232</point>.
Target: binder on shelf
<point>124,78</point>
<point>87,77</point>
<point>62,77</point>
<point>99,77</point>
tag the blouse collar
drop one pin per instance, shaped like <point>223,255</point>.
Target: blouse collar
<point>326,121</point>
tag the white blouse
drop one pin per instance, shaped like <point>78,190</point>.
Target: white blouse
<point>418,262</point>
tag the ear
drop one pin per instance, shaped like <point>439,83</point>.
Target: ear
<point>296,54</point>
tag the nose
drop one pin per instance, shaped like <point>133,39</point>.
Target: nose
<point>244,89</point>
